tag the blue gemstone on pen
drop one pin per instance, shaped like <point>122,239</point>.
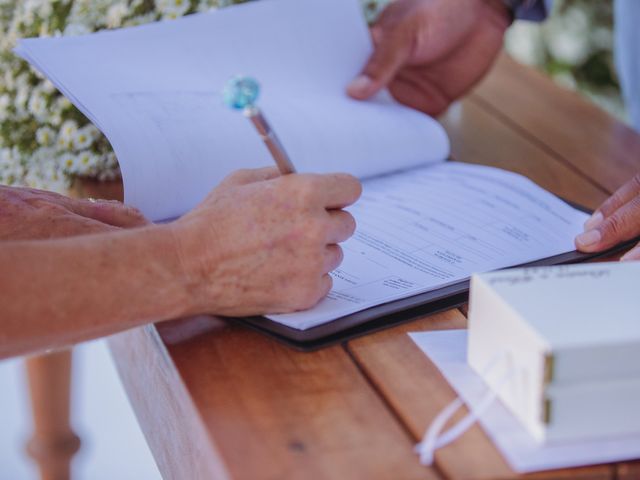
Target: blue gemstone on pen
<point>241,92</point>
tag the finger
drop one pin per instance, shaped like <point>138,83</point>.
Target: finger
<point>631,255</point>
<point>250,175</point>
<point>337,190</point>
<point>326,284</point>
<point>71,224</point>
<point>318,292</point>
<point>110,212</point>
<point>392,51</point>
<point>333,256</point>
<point>416,91</point>
<point>342,225</point>
<point>625,193</point>
<point>622,225</point>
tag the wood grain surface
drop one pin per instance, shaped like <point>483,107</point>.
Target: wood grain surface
<point>218,401</point>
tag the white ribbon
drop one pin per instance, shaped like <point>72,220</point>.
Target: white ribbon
<point>432,439</point>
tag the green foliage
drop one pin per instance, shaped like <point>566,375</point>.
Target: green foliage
<point>575,47</point>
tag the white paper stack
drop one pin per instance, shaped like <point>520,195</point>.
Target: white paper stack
<point>561,345</point>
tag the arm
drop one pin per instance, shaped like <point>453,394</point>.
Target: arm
<point>59,292</point>
<point>257,244</point>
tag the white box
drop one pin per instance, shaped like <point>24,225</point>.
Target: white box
<point>570,335</point>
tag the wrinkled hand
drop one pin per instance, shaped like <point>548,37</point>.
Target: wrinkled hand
<point>617,220</point>
<point>430,52</point>
<point>264,243</point>
<point>28,214</point>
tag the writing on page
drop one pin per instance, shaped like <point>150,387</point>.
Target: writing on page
<point>426,228</point>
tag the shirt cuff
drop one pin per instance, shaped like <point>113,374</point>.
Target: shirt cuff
<point>534,11</point>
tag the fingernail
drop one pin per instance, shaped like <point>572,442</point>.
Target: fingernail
<point>588,238</point>
<point>360,85</point>
<point>593,221</point>
<point>633,254</point>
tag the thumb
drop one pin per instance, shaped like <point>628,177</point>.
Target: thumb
<point>109,212</point>
<point>622,225</point>
<point>249,175</point>
<point>391,52</point>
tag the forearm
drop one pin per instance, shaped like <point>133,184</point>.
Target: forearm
<point>59,292</point>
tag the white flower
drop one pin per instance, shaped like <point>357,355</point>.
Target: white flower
<point>206,6</point>
<point>37,105</point>
<point>92,131</point>
<point>68,130</point>
<point>525,42</point>
<point>9,80</point>
<point>44,154</point>
<point>21,98</point>
<point>22,81</point>
<point>74,29</point>
<point>172,8</point>
<point>69,162</point>
<point>568,47</point>
<point>87,162</point>
<point>45,136</point>
<point>6,157</point>
<point>48,87</point>
<point>61,104</point>
<point>83,138</point>
<point>5,103</point>
<point>64,144</point>
<point>568,36</point>
<point>55,119</point>
<point>107,175</point>
<point>116,14</point>
<point>45,30</point>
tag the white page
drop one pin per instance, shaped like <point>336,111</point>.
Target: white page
<point>426,228</point>
<point>448,351</point>
<point>155,91</point>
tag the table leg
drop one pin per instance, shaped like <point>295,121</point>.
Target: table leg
<point>53,443</point>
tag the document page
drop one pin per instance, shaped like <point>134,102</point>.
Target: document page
<point>425,228</point>
<point>156,93</point>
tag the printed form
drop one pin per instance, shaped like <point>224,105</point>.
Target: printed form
<point>425,228</point>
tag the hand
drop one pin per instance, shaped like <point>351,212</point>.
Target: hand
<point>430,52</point>
<point>27,214</point>
<point>617,220</point>
<point>263,243</point>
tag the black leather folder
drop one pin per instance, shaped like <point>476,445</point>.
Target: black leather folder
<point>398,311</point>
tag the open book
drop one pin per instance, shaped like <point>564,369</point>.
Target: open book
<point>423,223</point>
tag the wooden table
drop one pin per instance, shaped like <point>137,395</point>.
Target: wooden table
<point>218,401</point>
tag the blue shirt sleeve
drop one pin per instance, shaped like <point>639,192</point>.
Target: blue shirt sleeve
<point>535,11</point>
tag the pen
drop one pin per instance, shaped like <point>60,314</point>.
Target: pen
<point>241,93</point>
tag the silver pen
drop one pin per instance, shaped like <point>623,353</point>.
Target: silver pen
<point>241,93</point>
